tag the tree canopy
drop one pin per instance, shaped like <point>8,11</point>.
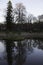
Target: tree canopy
<point>20,13</point>
<point>9,16</point>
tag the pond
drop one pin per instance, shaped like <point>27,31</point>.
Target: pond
<point>26,52</point>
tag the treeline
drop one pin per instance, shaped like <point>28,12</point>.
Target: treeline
<point>27,27</point>
<point>17,21</point>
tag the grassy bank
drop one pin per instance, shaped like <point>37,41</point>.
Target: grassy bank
<point>20,36</point>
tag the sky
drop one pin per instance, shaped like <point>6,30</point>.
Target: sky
<point>34,7</point>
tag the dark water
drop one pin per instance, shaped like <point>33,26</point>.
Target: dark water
<point>26,52</point>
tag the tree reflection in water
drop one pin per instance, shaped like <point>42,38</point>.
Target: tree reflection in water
<point>40,44</point>
<point>22,49</point>
<point>30,48</point>
<point>21,56</point>
<point>9,51</point>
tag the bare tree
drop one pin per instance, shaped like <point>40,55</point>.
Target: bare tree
<point>20,13</point>
<point>30,17</point>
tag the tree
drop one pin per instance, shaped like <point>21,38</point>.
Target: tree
<point>30,18</point>
<point>9,16</point>
<point>40,19</point>
<point>20,13</point>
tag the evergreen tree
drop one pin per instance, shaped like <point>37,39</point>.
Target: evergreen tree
<point>9,16</point>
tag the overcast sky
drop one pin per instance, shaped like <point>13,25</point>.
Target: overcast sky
<point>34,7</point>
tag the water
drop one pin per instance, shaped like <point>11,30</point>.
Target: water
<point>26,52</point>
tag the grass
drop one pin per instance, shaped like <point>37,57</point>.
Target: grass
<point>20,35</point>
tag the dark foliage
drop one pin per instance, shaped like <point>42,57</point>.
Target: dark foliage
<point>9,16</point>
<point>22,25</point>
<point>27,27</point>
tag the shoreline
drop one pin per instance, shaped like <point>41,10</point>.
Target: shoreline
<point>20,36</point>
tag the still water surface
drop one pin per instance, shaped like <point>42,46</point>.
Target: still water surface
<point>26,52</point>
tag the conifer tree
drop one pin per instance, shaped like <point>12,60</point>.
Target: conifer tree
<point>9,16</point>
